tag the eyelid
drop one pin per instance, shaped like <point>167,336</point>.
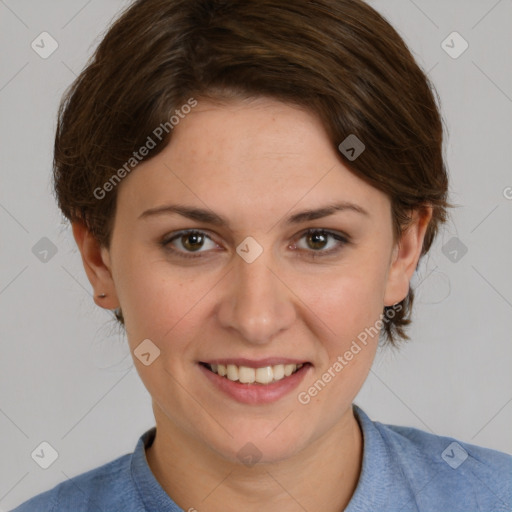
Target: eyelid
<point>166,241</point>
<point>331,232</point>
<point>341,237</point>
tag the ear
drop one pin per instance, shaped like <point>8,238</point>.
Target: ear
<point>406,255</point>
<point>96,260</point>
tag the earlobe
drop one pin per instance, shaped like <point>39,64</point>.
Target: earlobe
<point>96,261</point>
<point>406,255</point>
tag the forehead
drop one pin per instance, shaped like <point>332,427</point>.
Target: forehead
<point>259,154</point>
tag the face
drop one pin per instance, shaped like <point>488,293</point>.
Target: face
<point>218,258</point>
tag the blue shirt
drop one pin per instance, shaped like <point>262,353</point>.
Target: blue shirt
<point>404,469</point>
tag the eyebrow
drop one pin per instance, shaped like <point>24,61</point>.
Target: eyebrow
<point>210,217</point>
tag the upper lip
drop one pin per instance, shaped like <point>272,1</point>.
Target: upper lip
<point>255,363</point>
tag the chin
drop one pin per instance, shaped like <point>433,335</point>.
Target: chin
<point>255,445</point>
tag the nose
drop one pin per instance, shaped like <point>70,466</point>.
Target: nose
<point>256,303</point>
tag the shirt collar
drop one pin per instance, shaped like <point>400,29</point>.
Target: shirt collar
<point>153,496</point>
<point>380,484</point>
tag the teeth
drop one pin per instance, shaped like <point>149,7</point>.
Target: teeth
<point>246,375</point>
<point>278,371</point>
<point>232,372</point>
<point>264,375</point>
<point>288,369</point>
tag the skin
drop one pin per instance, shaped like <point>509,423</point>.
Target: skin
<point>255,162</point>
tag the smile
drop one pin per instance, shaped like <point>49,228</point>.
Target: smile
<point>255,382</point>
<point>246,375</point>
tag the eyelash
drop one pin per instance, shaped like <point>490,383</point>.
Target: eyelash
<point>342,239</point>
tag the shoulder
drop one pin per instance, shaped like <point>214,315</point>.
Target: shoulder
<point>448,472</point>
<point>107,487</point>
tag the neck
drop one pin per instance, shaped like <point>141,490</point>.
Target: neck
<point>323,477</point>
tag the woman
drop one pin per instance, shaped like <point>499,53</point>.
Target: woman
<point>251,186</point>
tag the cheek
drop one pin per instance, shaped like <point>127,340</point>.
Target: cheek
<point>164,302</point>
<point>155,297</point>
<point>347,300</point>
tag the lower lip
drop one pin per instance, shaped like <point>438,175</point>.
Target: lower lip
<point>256,393</point>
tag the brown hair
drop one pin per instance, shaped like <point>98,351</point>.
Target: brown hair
<point>340,59</point>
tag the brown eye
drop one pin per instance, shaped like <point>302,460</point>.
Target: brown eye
<point>186,243</point>
<point>192,241</point>
<point>317,240</point>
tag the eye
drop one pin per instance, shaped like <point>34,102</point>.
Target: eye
<point>320,242</point>
<point>190,241</point>
<point>193,243</point>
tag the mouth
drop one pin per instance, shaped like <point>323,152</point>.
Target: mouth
<point>251,382</point>
<point>262,375</point>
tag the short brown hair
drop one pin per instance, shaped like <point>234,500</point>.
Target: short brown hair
<point>339,59</point>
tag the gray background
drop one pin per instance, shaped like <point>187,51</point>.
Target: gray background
<point>66,375</point>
